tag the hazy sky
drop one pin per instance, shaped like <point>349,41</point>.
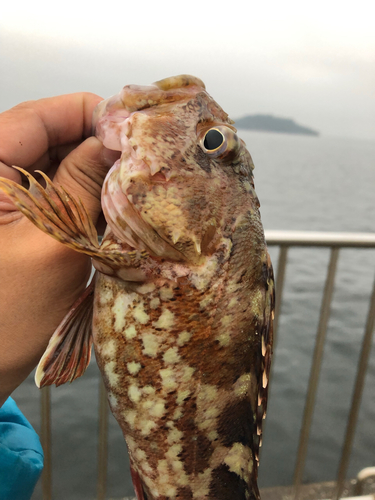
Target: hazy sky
<point>314,62</point>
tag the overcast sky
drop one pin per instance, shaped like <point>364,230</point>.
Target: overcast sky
<point>312,62</point>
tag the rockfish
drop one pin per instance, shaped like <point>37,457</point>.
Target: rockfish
<point>181,307</point>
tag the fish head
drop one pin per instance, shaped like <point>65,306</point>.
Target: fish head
<point>183,170</point>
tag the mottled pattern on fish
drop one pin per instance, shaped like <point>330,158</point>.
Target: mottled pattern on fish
<point>183,379</point>
<point>184,297</point>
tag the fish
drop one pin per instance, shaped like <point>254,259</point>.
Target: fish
<point>181,307</point>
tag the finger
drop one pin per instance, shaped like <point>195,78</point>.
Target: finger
<point>82,173</point>
<point>9,173</point>
<point>50,161</point>
<point>47,163</point>
<point>31,128</point>
<point>52,158</point>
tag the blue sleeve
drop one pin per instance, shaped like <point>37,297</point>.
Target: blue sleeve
<point>21,454</point>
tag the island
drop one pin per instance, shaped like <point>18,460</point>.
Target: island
<point>270,123</point>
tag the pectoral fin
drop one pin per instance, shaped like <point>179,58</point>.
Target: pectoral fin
<point>57,213</point>
<point>69,350</point>
<point>54,211</point>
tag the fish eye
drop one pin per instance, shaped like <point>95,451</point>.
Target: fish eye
<point>213,139</point>
<point>220,142</point>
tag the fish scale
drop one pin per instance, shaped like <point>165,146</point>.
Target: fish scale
<point>181,307</point>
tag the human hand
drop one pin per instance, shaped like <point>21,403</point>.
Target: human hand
<point>40,278</point>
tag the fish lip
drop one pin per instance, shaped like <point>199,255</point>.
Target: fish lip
<point>107,113</point>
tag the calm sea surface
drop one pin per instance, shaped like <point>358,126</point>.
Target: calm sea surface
<point>305,183</point>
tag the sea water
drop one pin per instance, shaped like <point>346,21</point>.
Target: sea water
<point>303,183</point>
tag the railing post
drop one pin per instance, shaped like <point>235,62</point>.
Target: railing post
<point>315,372</point>
<point>279,285</point>
<point>102,442</point>
<point>45,439</point>
<point>356,398</point>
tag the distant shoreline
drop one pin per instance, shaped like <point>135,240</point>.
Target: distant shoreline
<point>270,123</point>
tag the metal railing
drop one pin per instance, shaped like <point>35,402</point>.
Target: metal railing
<point>284,240</point>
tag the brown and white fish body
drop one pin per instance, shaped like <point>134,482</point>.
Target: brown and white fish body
<point>183,297</point>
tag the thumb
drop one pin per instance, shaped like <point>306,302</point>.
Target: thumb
<point>82,173</point>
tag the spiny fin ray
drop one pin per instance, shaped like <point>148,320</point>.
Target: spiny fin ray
<point>265,353</point>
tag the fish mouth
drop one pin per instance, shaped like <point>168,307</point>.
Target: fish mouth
<point>112,124</point>
<point>134,98</point>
